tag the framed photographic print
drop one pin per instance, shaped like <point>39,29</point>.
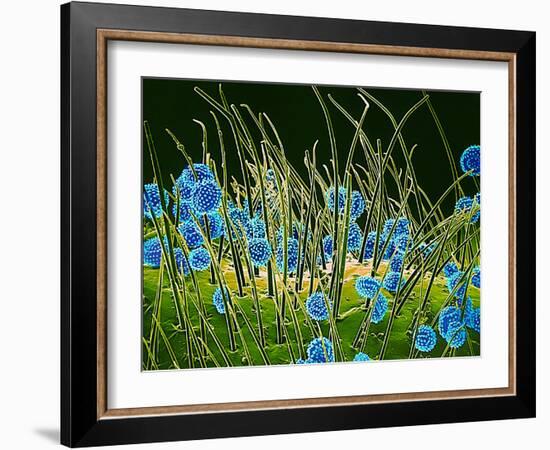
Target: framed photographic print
<point>277,224</point>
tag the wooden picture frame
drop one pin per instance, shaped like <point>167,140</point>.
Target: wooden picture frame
<point>85,416</point>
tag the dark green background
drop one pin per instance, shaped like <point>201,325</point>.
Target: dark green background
<point>297,115</point>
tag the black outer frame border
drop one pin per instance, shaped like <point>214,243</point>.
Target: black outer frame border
<point>79,424</point>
